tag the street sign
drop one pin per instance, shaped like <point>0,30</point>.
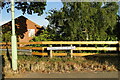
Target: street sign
<point>61,48</point>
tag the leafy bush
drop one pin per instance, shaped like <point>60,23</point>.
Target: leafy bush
<point>44,36</point>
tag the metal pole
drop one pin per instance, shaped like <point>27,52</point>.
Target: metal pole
<point>13,39</point>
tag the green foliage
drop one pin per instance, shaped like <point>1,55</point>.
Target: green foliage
<point>6,33</point>
<point>27,7</point>
<point>0,34</point>
<point>116,30</point>
<point>6,36</point>
<point>44,36</point>
<point>84,21</point>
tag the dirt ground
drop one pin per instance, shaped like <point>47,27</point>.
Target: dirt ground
<point>67,75</point>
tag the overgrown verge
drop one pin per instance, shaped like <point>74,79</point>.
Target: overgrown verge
<point>59,64</point>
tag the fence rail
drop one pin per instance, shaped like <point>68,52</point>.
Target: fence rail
<point>68,42</point>
<point>71,43</point>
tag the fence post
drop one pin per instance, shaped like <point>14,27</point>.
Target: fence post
<point>42,55</point>
<point>61,45</point>
<point>71,52</point>
<point>51,52</point>
<point>118,48</point>
<point>118,55</point>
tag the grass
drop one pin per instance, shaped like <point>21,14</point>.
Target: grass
<point>111,60</point>
<point>48,59</point>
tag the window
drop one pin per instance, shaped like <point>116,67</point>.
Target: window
<point>31,32</point>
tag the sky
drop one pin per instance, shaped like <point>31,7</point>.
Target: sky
<point>40,20</point>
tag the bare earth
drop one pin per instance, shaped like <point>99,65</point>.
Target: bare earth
<point>68,75</point>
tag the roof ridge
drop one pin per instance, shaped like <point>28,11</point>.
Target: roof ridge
<point>19,17</point>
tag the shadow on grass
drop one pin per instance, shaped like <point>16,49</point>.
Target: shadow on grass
<point>8,57</point>
<point>111,59</point>
<point>3,61</point>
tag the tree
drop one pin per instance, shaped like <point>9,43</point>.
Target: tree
<point>54,27</point>
<point>106,21</point>
<point>116,30</point>
<point>27,7</point>
<point>43,36</point>
<point>84,21</point>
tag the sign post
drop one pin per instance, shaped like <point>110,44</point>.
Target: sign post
<point>51,52</point>
<point>61,48</point>
<point>13,39</point>
<point>71,51</point>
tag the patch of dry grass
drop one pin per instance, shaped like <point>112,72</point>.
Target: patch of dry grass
<point>61,64</point>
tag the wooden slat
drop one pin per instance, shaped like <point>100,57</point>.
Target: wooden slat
<point>4,47</point>
<point>77,48</point>
<point>79,42</point>
<point>68,42</point>
<point>5,43</point>
<point>107,54</point>
<point>59,54</point>
<point>34,48</point>
<point>46,54</point>
<point>37,53</point>
<point>97,54</point>
<point>83,54</point>
<point>97,48</point>
<point>2,53</point>
<point>74,54</point>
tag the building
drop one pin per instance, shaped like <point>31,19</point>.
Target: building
<point>25,28</point>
